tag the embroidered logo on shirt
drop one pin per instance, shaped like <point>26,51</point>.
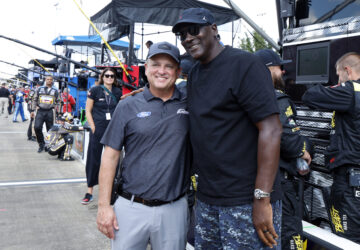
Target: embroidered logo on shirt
<point>182,111</point>
<point>143,114</point>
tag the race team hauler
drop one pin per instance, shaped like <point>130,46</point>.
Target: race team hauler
<point>46,98</point>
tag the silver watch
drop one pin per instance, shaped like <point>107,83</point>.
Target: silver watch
<point>258,194</point>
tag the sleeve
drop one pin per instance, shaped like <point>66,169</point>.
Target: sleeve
<point>115,132</point>
<point>72,101</point>
<point>293,145</point>
<point>35,100</point>
<point>255,92</point>
<point>57,101</point>
<point>93,93</point>
<point>338,98</point>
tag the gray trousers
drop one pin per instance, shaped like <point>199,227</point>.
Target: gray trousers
<point>4,101</point>
<point>164,226</point>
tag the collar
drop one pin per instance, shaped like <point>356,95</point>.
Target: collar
<point>148,96</point>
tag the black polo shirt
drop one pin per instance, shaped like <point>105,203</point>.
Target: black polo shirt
<point>4,92</point>
<point>226,97</point>
<point>155,136</point>
<point>102,104</point>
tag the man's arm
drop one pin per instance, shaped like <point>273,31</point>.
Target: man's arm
<point>106,219</point>
<point>268,162</point>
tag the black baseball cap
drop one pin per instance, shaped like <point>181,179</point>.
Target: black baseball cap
<point>186,65</point>
<point>271,58</point>
<point>164,48</point>
<point>194,15</point>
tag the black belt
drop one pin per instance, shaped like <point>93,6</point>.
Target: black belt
<point>149,203</point>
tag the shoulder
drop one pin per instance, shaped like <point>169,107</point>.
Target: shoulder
<point>280,94</point>
<point>116,91</point>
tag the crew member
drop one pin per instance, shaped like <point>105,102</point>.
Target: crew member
<point>292,147</point>
<point>67,101</point>
<point>46,98</point>
<point>59,141</point>
<point>30,133</point>
<point>343,154</point>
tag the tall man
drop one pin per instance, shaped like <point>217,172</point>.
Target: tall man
<point>46,98</point>
<point>293,146</point>
<point>343,154</point>
<point>153,128</point>
<point>235,134</point>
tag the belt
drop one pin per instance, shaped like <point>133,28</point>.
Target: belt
<point>149,203</point>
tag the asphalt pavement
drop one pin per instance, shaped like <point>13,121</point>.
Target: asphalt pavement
<point>40,197</point>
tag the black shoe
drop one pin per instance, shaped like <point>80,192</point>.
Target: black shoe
<point>67,159</point>
<point>25,120</point>
<point>33,138</point>
<point>41,148</point>
<point>46,149</point>
<point>15,121</point>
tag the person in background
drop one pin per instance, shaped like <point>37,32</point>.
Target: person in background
<point>4,97</point>
<point>11,100</point>
<point>342,156</point>
<point>46,99</point>
<point>31,132</point>
<point>235,134</point>
<point>19,99</point>
<point>148,44</point>
<point>185,65</point>
<point>293,146</point>
<point>100,105</point>
<point>67,101</point>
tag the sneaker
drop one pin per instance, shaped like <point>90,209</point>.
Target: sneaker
<point>41,148</point>
<point>25,120</point>
<point>87,199</point>
<point>15,121</point>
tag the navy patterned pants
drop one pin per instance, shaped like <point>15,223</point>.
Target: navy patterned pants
<point>220,227</point>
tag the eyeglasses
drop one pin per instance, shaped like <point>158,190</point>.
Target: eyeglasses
<point>109,76</point>
<point>193,30</point>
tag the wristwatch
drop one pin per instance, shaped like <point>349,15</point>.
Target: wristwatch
<point>258,194</point>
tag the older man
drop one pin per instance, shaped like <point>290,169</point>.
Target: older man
<point>152,126</point>
<point>235,134</point>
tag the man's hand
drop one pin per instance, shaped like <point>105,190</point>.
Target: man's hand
<point>263,222</point>
<point>92,127</point>
<point>106,221</point>
<point>32,114</point>
<point>132,93</point>
<point>306,156</point>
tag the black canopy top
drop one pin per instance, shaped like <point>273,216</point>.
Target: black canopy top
<point>119,14</point>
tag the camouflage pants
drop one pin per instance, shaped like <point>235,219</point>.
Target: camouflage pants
<point>218,227</point>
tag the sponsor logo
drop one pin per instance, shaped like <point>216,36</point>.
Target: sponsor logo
<point>182,111</point>
<point>298,242</point>
<point>289,111</point>
<point>143,114</point>
<point>336,220</point>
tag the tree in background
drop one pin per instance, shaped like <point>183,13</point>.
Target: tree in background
<point>254,42</point>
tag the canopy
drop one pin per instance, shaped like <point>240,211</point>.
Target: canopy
<point>91,41</point>
<point>119,14</point>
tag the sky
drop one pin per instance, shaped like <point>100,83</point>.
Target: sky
<point>38,22</point>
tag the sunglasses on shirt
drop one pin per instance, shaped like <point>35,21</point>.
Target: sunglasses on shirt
<point>109,76</point>
<point>193,30</point>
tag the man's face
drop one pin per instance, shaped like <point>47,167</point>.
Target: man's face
<point>276,75</point>
<point>343,75</point>
<point>162,71</point>
<point>199,46</point>
<point>49,81</point>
